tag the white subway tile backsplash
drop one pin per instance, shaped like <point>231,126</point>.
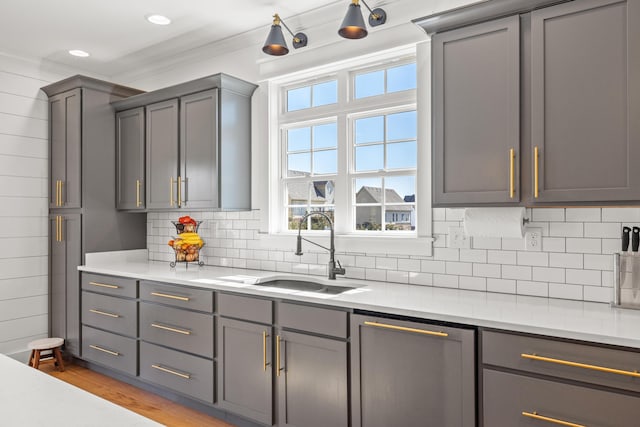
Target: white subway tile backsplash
<point>545,274</point>
<point>536,289</point>
<point>355,273</point>
<point>609,230</point>
<point>584,277</point>
<point>455,214</point>
<point>513,244</point>
<point>432,266</point>
<point>566,229</point>
<point>406,264</point>
<point>585,246</point>
<point>548,214</point>
<point>439,214</point>
<point>582,214</point>
<point>566,260</point>
<point>365,262</point>
<point>445,281</point>
<point>565,291</point>
<point>501,285</point>
<point>473,283</point>
<point>473,255</point>
<point>373,274</point>
<point>598,262</point>
<point>597,294</point>
<point>502,257</point>
<point>516,272</point>
<point>533,258</point>
<point>459,268</point>
<point>553,244</point>
<point>631,215</point>
<point>398,276</point>
<point>486,243</point>
<point>386,263</point>
<point>610,246</point>
<point>446,254</point>
<point>486,270</point>
<point>424,279</point>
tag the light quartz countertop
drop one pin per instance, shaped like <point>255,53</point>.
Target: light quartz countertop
<point>587,321</point>
<point>30,398</point>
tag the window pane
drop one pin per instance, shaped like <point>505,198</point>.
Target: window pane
<point>369,218</point>
<point>370,129</point>
<point>318,222</point>
<point>299,164</point>
<point>325,136</point>
<point>400,189</point>
<point>401,126</point>
<point>322,192</point>
<point>298,193</point>
<point>297,99</point>
<point>370,158</point>
<point>369,84</point>
<point>325,161</point>
<point>401,78</point>
<point>295,214</point>
<point>399,217</point>
<point>299,139</point>
<point>325,93</point>
<point>401,155</point>
<point>368,190</point>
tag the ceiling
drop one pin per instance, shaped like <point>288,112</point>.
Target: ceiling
<point>117,35</point>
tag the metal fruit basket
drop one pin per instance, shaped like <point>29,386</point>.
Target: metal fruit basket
<point>186,252</point>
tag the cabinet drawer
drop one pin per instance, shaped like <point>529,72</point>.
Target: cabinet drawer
<point>178,371</point>
<point>110,313</point>
<point>313,319</point>
<point>246,308</point>
<point>514,400</point>
<point>113,351</point>
<point>181,329</point>
<point>179,296</point>
<point>596,365</point>
<point>112,285</point>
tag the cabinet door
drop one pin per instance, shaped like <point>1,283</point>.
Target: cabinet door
<point>199,150</point>
<point>64,283</point>
<point>245,369</point>
<point>411,374</point>
<point>312,381</point>
<point>130,161</point>
<point>585,101</point>
<point>162,155</point>
<point>476,111</point>
<point>65,134</point>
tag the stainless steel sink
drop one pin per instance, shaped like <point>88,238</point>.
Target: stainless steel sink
<point>302,285</point>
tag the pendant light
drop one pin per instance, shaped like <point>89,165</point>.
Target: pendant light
<point>275,44</point>
<point>353,26</point>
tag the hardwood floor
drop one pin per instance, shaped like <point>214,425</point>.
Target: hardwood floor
<point>142,402</point>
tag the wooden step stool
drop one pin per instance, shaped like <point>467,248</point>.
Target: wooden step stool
<point>44,344</point>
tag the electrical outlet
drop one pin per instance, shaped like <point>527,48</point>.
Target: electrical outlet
<point>533,239</point>
<point>457,238</point>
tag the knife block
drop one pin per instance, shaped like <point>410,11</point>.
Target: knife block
<point>626,280</point>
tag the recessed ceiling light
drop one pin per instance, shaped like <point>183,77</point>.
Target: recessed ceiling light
<point>158,19</point>
<point>80,53</point>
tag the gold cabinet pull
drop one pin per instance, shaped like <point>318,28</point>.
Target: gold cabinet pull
<point>61,222</point>
<point>179,191</point>
<point>137,193</point>
<point>512,155</point>
<point>171,191</point>
<point>536,174</point>
<point>161,295</point>
<point>61,193</point>
<point>104,350</point>
<point>167,328</point>
<point>536,416</point>
<point>57,228</point>
<point>104,313</point>
<point>634,374</point>
<point>57,192</point>
<point>264,350</point>
<point>104,285</point>
<point>402,328</point>
<point>172,372</point>
<point>278,341</point>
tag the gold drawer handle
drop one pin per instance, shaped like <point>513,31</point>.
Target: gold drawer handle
<point>159,294</point>
<point>104,313</point>
<point>167,328</point>
<point>278,341</point>
<point>264,350</point>
<point>634,374</point>
<point>535,416</point>
<point>104,285</point>
<point>512,156</point>
<point>104,350</point>
<point>536,173</point>
<point>402,328</point>
<point>138,203</point>
<point>172,372</point>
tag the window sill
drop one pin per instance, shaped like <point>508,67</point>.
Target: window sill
<point>349,243</point>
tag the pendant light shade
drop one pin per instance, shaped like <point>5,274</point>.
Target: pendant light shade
<point>275,44</point>
<point>353,26</point>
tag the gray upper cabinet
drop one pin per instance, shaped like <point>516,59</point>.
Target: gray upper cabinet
<point>130,149</point>
<point>64,150</point>
<point>162,155</point>
<point>198,139</point>
<point>476,110</point>
<point>585,101</point>
<point>411,374</point>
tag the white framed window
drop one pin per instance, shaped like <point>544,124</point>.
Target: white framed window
<point>346,143</point>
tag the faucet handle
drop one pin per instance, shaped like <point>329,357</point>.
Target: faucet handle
<point>339,270</point>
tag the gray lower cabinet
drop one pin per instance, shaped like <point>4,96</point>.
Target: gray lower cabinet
<point>311,377</point>
<point>411,374</point>
<point>476,112</point>
<point>585,92</point>
<point>65,252</point>
<point>110,350</point>
<point>245,370</point>
<point>162,155</point>
<point>130,149</point>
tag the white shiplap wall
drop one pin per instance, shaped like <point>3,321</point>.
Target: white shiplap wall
<point>23,203</point>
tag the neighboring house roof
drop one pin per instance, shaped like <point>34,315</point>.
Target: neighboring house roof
<point>368,194</point>
<point>299,192</point>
